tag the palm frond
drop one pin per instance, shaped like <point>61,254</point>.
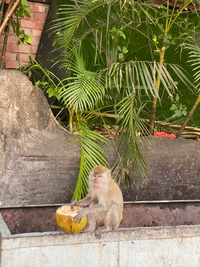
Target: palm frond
<point>194,60</point>
<point>91,154</point>
<point>84,89</point>
<point>142,75</point>
<point>75,14</point>
<point>131,126</point>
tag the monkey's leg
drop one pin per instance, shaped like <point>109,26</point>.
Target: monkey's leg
<point>104,225</point>
<point>113,218</point>
<point>91,220</point>
<point>91,223</point>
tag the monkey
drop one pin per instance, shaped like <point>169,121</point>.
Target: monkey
<point>103,204</point>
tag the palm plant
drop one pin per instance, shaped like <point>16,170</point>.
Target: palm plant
<point>98,34</point>
<point>194,57</point>
<point>81,92</point>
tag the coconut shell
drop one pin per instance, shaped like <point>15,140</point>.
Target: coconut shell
<point>65,219</point>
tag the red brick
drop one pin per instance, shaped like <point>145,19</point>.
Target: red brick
<point>25,48</point>
<point>30,17</point>
<point>34,49</point>
<point>11,64</point>
<point>35,41</point>
<point>11,30</point>
<point>12,48</point>
<point>28,31</point>
<point>40,16</point>
<point>12,39</point>
<point>24,58</point>
<point>32,24</point>
<point>1,38</point>
<point>39,8</point>
<point>34,7</point>
<point>36,33</point>
<point>10,56</point>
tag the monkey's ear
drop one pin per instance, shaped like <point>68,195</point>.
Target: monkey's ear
<point>109,173</point>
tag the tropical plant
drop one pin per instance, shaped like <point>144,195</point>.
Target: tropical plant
<point>99,34</point>
<point>82,92</point>
<point>194,57</point>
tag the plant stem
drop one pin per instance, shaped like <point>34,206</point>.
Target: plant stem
<point>188,116</point>
<point>71,114</point>
<point>155,99</point>
<point>168,25</point>
<point>4,48</point>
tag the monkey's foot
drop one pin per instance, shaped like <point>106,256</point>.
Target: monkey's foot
<point>97,233</point>
<point>101,229</point>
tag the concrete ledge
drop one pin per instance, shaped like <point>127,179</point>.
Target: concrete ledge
<point>145,247</point>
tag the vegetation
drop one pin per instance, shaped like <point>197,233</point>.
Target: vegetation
<point>101,38</point>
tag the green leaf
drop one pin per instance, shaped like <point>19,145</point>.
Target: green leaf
<point>174,107</point>
<point>23,2</point>
<point>177,98</point>
<point>54,91</point>
<point>178,113</point>
<point>120,55</point>
<point>125,50</point>
<point>122,34</point>
<point>91,155</point>
<point>155,39</point>
<point>28,39</point>
<point>41,84</point>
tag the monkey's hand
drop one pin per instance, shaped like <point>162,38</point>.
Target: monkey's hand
<point>73,204</point>
<point>80,215</point>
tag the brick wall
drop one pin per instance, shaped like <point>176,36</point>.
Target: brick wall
<point>17,55</point>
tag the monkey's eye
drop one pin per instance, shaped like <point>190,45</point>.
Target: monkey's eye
<point>98,176</point>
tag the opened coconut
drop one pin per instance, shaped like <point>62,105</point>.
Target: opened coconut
<point>65,219</point>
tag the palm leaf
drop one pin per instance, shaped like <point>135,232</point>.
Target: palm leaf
<point>194,60</point>
<point>84,89</point>
<point>70,17</point>
<point>91,155</point>
<point>142,75</point>
<point>129,142</point>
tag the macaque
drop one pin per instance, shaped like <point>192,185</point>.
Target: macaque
<point>103,203</point>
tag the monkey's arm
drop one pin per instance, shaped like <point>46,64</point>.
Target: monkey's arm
<point>83,202</point>
<point>93,209</point>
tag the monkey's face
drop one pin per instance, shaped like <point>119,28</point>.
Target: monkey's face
<point>99,180</point>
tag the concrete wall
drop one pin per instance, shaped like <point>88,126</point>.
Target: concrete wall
<point>136,247</point>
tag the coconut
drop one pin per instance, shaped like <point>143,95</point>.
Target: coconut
<point>65,219</point>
